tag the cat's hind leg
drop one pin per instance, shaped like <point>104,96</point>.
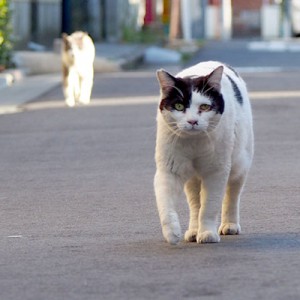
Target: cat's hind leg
<point>70,85</point>
<point>69,94</point>
<point>168,189</point>
<point>70,101</point>
<point>86,85</point>
<point>230,223</point>
<point>192,191</point>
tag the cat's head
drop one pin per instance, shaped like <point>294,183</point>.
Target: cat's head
<point>191,105</point>
<point>73,44</point>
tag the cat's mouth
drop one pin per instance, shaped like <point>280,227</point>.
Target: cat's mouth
<point>193,131</point>
<point>190,131</point>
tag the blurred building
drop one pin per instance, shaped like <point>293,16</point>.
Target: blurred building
<point>39,22</point>
<point>246,18</point>
<point>254,19</point>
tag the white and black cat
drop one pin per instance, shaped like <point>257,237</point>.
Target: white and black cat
<point>78,54</point>
<point>204,146</point>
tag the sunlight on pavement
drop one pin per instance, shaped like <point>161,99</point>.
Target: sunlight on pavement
<point>144,100</point>
<point>136,100</point>
<point>274,94</point>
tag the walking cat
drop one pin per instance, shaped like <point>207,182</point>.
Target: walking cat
<point>204,146</point>
<point>78,54</point>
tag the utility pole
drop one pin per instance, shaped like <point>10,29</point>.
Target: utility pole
<point>286,23</point>
<point>66,16</point>
<point>226,13</point>
<point>175,20</point>
<point>203,9</point>
<point>149,12</point>
<point>34,20</point>
<point>186,20</point>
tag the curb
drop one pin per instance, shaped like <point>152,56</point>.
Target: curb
<point>6,80</point>
<point>39,72</point>
<point>26,90</point>
<point>133,60</point>
<point>34,63</point>
<point>11,76</point>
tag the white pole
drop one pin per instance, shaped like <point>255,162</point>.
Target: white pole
<point>186,19</point>
<point>226,19</point>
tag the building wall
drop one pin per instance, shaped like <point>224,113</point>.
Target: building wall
<point>40,21</point>
<point>21,22</point>
<point>35,21</point>
<point>246,18</point>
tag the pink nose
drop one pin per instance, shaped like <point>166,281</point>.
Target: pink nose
<point>193,122</point>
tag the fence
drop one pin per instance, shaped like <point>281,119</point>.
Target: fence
<point>37,21</point>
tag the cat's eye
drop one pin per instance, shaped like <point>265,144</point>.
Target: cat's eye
<point>204,107</point>
<point>179,106</point>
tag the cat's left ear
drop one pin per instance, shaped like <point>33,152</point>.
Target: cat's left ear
<point>165,79</point>
<point>215,77</point>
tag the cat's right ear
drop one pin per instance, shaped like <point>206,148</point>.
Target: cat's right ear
<point>165,79</point>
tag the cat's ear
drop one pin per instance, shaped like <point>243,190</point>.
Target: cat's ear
<point>165,79</point>
<point>64,37</point>
<point>215,77</point>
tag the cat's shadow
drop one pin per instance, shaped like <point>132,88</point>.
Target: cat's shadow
<point>260,242</point>
<point>263,241</point>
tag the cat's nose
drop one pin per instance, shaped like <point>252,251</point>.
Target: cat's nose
<point>193,122</point>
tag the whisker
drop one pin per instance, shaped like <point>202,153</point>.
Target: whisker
<point>208,89</point>
<point>177,89</point>
<point>176,137</point>
<point>203,88</point>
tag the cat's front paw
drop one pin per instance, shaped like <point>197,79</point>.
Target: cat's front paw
<point>208,237</point>
<point>229,229</point>
<point>84,101</point>
<point>172,234</point>
<point>191,235</point>
<point>70,102</point>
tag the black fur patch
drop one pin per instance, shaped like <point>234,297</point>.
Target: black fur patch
<point>201,86</point>
<point>171,96</point>
<point>233,70</point>
<point>237,92</point>
<point>181,92</point>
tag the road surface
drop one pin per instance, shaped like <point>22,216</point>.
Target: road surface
<point>78,218</point>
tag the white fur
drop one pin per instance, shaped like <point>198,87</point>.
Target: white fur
<point>210,163</point>
<point>78,69</point>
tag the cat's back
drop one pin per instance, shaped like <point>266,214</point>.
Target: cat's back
<point>205,68</point>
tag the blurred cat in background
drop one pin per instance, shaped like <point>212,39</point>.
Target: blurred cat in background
<point>78,54</point>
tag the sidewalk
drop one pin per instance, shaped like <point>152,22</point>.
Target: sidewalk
<point>45,67</point>
<point>253,55</point>
<point>43,72</point>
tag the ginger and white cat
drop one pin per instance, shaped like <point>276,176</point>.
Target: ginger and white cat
<point>78,54</point>
<point>204,147</point>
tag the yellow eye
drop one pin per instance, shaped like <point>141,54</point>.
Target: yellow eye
<point>204,107</point>
<point>179,106</point>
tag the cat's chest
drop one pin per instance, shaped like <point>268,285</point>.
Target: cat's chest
<point>194,149</point>
<point>192,157</point>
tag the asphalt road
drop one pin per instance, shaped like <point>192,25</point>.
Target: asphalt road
<point>78,218</point>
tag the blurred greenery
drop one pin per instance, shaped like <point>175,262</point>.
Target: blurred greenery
<point>5,34</point>
<point>147,35</point>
